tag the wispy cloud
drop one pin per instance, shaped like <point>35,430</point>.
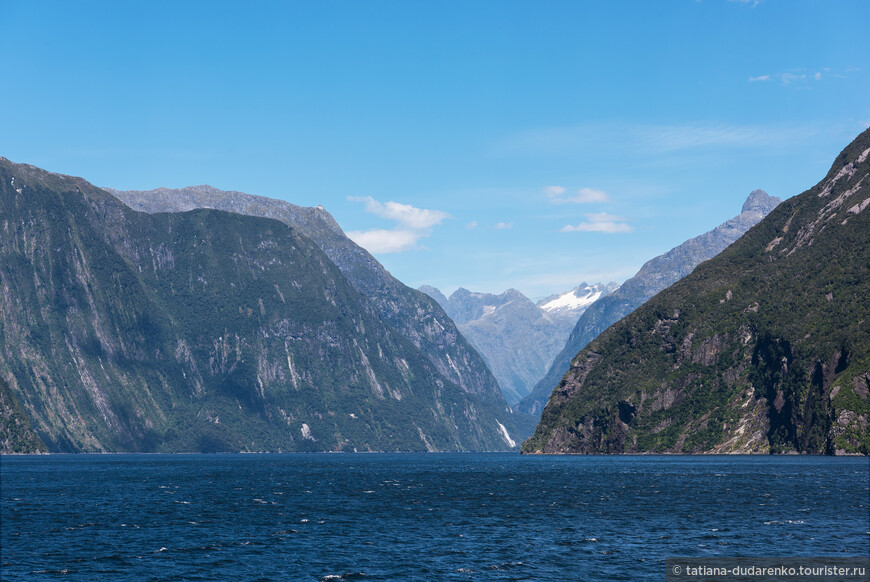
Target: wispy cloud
<point>601,222</point>
<point>413,224</point>
<point>471,225</point>
<point>504,225</point>
<point>583,195</point>
<point>681,137</point>
<point>802,76</point>
<point>646,140</point>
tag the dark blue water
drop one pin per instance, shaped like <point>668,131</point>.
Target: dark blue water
<point>418,517</point>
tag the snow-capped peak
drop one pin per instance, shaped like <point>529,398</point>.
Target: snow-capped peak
<point>577,299</point>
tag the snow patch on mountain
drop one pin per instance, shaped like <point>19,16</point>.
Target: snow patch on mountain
<point>577,299</point>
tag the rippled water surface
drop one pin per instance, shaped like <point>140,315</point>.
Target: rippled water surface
<point>418,517</point>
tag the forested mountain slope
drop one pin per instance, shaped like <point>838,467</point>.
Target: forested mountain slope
<point>764,348</point>
<point>204,331</point>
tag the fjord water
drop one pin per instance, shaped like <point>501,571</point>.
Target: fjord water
<point>418,516</point>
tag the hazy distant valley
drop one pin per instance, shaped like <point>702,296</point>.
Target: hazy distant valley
<point>518,338</point>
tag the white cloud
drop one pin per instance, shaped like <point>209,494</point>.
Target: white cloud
<point>413,224</point>
<point>504,225</point>
<point>759,78</point>
<point>601,222</point>
<point>386,241</point>
<point>591,195</point>
<point>409,216</point>
<point>553,191</point>
<point>817,76</point>
<point>472,224</point>
<point>583,196</point>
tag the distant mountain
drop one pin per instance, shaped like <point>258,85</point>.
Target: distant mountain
<point>206,331</point>
<point>656,275</point>
<point>517,338</point>
<point>435,294</point>
<point>577,300</point>
<point>764,348</point>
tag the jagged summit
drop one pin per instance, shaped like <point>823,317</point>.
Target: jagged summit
<point>760,201</point>
<point>434,293</point>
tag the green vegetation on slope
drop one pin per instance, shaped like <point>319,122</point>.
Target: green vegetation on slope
<point>764,348</point>
<point>16,430</point>
<point>203,331</point>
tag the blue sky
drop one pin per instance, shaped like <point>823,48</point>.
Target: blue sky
<point>488,145</point>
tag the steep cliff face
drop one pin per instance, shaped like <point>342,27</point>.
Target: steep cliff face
<point>764,348</point>
<point>204,331</point>
<point>411,313</point>
<point>656,275</point>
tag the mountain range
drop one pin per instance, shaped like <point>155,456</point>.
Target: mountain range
<point>210,330</point>
<point>411,313</point>
<point>517,338</point>
<point>764,348</point>
<point>656,275</point>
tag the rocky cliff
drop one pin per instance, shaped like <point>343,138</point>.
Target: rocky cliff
<point>656,275</point>
<point>410,312</point>
<point>205,331</point>
<point>764,348</point>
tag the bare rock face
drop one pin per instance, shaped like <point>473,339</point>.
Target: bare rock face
<point>412,313</point>
<point>763,349</point>
<point>656,275</point>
